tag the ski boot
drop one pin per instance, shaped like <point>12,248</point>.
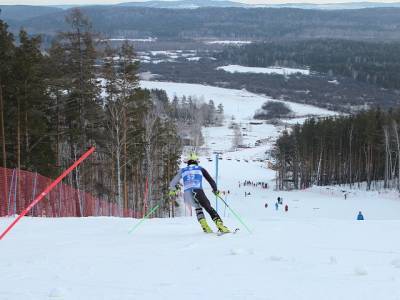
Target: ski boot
<point>205,226</point>
<point>220,225</point>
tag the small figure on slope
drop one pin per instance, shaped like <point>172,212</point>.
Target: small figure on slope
<point>192,176</point>
<point>360,216</point>
<point>286,208</point>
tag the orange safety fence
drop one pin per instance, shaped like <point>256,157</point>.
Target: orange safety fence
<point>19,188</point>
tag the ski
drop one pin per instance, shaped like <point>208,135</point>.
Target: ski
<point>219,233</point>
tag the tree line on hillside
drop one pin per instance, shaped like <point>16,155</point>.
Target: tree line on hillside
<point>191,115</point>
<point>373,63</point>
<point>256,24</point>
<point>54,105</point>
<point>341,150</point>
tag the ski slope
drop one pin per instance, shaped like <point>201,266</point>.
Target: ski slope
<point>316,250</point>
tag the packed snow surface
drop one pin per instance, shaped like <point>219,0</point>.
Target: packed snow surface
<point>316,250</point>
<point>269,70</point>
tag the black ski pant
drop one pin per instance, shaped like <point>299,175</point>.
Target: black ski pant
<point>200,198</point>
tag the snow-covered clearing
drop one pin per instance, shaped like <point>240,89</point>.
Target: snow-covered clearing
<point>228,42</point>
<point>269,70</point>
<point>240,104</point>
<point>161,56</point>
<point>196,58</point>
<point>148,39</point>
<point>314,251</point>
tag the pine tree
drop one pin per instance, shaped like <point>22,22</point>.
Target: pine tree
<point>7,50</point>
<point>34,134</point>
<point>73,54</point>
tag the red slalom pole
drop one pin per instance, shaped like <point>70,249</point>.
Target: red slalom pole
<point>47,190</point>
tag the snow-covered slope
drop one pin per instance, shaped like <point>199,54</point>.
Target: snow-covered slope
<point>316,250</point>
<point>270,70</point>
<point>239,104</point>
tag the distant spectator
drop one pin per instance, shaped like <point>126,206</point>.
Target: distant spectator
<point>266,205</point>
<point>286,207</point>
<point>360,216</point>
<point>276,205</point>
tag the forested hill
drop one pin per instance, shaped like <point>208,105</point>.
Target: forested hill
<point>342,150</point>
<point>180,4</point>
<point>24,12</point>
<point>374,63</point>
<point>255,24</point>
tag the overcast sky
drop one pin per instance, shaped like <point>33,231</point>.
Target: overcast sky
<point>60,2</point>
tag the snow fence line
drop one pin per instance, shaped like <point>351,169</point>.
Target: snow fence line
<point>48,189</point>
<point>19,188</point>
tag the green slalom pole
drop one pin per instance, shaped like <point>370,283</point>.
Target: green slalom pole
<point>144,218</point>
<point>235,214</point>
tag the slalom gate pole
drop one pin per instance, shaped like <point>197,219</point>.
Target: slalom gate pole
<point>235,214</point>
<point>47,190</point>
<point>145,217</point>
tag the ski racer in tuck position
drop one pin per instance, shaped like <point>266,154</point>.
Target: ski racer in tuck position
<point>193,195</point>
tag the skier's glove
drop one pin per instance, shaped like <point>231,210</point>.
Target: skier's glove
<point>173,193</point>
<point>217,193</point>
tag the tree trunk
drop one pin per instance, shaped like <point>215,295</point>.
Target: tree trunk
<point>386,177</point>
<point>19,204</point>
<point>396,131</point>
<point>125,160</point>
<point>3,148</point>
<point>350,156</point>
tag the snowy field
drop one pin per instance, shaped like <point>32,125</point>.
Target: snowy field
<point>156,57</point>
<point>228,42</point>
<point>269,70</point>
<point>316,250</point>
<point>148,39</point>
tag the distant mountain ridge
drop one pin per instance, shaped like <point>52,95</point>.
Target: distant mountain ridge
<point>23,12</point>
<point>185,4</point>
<point>336,6</point>
<point>215,23</point>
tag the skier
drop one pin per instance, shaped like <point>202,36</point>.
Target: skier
<point>192,176</point>
<point>360,216</point>
<point>276,206</point>
<point>286,208</point>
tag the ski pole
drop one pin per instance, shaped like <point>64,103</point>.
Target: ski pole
<point>234,213</point>
<point>145,217</point>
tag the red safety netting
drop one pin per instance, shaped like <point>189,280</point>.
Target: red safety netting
<point>19,188</point>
